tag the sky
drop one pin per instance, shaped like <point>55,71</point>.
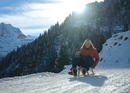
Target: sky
<point>36,16</point>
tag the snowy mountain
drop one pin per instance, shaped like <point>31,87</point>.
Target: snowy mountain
<point>111,74</point>
<point>11,38</point>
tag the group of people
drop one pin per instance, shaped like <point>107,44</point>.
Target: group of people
<point>86,59</point>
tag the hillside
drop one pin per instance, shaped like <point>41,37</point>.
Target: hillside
<point>111,76</point>
<point>117,49</point>
<point>55,47</point>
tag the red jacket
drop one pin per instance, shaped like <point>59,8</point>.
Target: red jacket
<point>90,51</point>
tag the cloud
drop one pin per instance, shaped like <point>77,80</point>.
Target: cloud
<point>35,16</point>
<point>5,3</point>
<point>30,16</point>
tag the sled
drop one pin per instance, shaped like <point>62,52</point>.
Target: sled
<point>83,74</point>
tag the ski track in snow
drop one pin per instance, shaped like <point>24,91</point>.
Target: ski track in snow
<point>106,80</point>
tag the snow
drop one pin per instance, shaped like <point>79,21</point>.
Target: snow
<point>117,50</point>
<point>107,80</point>
<point>111,76</point>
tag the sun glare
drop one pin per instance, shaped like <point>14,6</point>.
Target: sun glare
<point>66,7</point>
<point>78,5</point>
<point>75,5</point>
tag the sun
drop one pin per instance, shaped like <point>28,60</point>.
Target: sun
<point>75,5</point>
<point>78,5</point>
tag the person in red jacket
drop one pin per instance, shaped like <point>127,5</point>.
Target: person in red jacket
<point>87,58</point>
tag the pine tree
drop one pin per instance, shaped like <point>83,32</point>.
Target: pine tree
<point>63,58</point>
<point>52,65</point>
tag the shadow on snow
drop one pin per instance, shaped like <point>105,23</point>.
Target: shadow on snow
<point>97,80</point>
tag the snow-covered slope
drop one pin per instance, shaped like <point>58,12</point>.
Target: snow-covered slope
<point>11,38</point>
<point>112,80</point>
<point>109,78</point>
<point>116,50</point>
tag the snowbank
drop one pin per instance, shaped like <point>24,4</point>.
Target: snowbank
<point>116,50</point>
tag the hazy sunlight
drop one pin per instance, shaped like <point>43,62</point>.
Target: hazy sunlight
<point>68,6</point>
<point>77,5</point>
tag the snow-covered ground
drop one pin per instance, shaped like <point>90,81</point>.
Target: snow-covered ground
<point>106,80</point>
<point>112,74</point>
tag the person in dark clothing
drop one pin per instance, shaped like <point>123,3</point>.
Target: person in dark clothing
<point>87,58</point>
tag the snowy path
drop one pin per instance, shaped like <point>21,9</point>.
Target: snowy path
<point>108,80</point>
